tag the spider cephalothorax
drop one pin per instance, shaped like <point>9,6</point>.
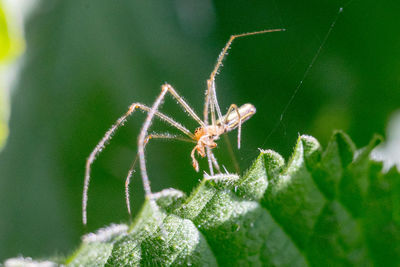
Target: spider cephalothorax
<point>206,136</point>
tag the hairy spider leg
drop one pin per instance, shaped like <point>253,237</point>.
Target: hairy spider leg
<point>211,104</point>
<point>187,108</point>
<point>211,101</point>
<point>143,133</point>
<point>210,98</point>
<point>212,161</point>
<point>142,160</point>
<point>184,105</point>
<point>108,135</point>
<point>131,169</point>
<point>234,108</point>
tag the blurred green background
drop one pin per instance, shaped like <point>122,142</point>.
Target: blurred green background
<point>87,61</point>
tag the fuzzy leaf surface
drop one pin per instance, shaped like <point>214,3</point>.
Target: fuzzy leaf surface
<point>334,207</point>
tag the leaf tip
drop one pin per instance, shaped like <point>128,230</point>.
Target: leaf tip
<point>311,145</point>
<point>273,161</point>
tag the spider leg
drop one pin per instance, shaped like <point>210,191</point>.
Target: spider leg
<point>234,108</point>
<point>141,144</point>
<point>107,137</point>
<point>214,161</point>
<point>211,104</point>
<point>141,140</point>
<point>231,153</point>
<point>209,159</point>
<point>214,103</point>
<point>195,163</point>
<point>211,97</point>
<point>131,169</point>
<point>184,105</point>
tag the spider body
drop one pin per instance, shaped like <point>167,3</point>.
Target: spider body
<point>204,136</point>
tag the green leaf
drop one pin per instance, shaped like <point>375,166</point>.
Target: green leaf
<point>334,207</point>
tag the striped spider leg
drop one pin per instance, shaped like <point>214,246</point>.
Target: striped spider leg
<point>204,136</point>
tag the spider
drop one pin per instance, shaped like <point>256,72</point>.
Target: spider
<point>204,136</point>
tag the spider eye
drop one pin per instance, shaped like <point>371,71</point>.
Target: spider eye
<point>198,130</point>
<point>198,133</point>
